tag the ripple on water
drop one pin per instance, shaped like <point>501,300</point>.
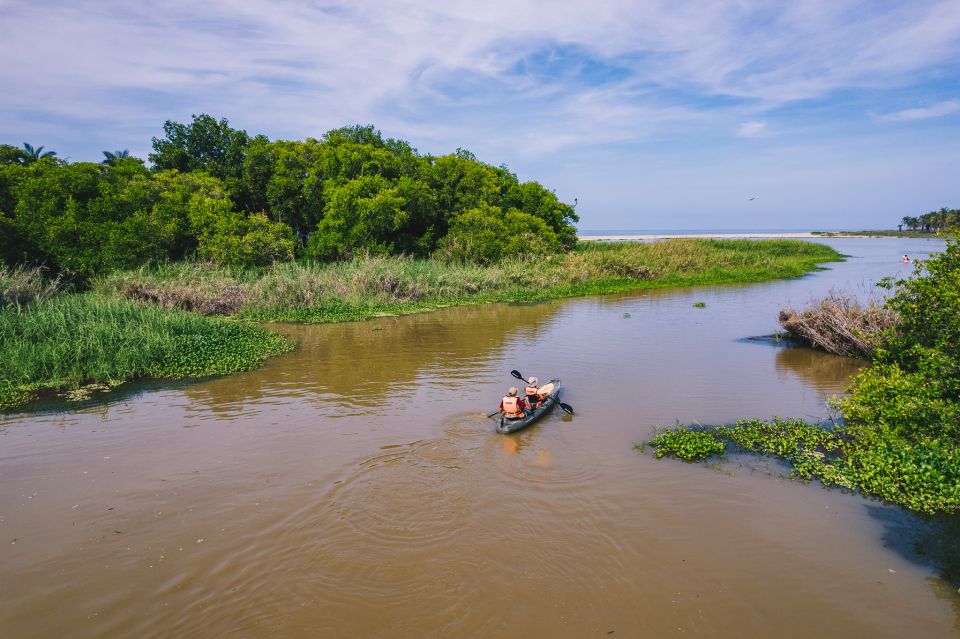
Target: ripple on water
<point>375,502</point>
<point>525,459</point>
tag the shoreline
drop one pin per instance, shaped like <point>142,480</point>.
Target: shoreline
<point>747,235</point>
<point>697,236</point>
<point>361,289</point>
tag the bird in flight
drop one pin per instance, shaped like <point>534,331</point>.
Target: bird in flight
<point>753,198</point>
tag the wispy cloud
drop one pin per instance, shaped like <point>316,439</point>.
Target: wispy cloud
<point>752,129</point>
<point>296,67</point>
<point>923,113</point>
<point>513,81</point>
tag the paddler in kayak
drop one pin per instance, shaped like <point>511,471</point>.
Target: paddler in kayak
<point>531,391</point>
<point>512,406</point>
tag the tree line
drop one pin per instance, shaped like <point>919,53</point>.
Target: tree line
<point>932,222</point>
<point>217,193</point>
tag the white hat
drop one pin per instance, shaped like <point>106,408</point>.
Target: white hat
<point>512,392</point>
<point>533,381</point>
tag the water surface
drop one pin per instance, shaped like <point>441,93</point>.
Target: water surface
<point>353,488</point>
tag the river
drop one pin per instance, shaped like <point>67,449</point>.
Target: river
<point>353,488</point>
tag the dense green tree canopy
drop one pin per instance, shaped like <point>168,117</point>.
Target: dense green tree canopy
<point>217,193</point>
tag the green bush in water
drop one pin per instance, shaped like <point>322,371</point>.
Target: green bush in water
<point>689,445</point>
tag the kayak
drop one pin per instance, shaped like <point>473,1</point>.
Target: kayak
<point>506,425</point>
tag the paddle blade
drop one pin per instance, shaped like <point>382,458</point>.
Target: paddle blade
<point>567,408</point>
<point>517,374</point>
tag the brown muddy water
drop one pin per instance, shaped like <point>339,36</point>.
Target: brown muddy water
<point>353,488</point>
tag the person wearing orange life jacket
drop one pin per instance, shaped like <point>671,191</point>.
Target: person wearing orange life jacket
<point>512,407</point>
<point>531,392</point>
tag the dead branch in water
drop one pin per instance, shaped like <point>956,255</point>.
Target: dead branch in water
<point>839,324</point>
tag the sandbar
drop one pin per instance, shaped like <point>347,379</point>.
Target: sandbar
<point>672,236</point>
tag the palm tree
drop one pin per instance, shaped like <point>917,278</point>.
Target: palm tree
<point>944,218</point>
<point>111,158</point>
<point>910,222</point>
<point>34,154</point>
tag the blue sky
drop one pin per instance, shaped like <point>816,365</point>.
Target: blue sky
<point>670,115</point>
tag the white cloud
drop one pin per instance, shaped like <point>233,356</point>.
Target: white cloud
<point>934,111</point>
<point>752,129</point>
<point>448,71</point>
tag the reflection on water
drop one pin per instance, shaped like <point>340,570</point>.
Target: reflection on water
<point>378,367</point>
<point>354,488</point>
<point>821,369</point>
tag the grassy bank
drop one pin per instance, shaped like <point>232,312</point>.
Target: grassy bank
<point>153,322</point>
<point>88,342</point>
<point>364,288</point>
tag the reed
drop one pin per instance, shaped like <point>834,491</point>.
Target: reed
<point>371,286</point>
<point>68,341</point>
<point>24,284</point>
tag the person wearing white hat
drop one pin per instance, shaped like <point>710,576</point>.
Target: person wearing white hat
<point>531,392</point>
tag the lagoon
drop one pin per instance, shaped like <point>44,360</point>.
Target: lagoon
<point>353,487</point>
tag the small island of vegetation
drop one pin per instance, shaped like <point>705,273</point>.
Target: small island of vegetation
<point>118,270</point>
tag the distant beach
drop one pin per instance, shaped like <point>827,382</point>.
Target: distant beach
<point>638,237</point>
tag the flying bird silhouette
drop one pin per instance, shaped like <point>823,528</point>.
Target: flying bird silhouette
<point>752,199</point>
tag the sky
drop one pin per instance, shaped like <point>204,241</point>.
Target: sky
<point>830,114</point>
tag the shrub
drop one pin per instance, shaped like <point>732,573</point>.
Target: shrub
<point>485,236</point>
<point>234,239</point>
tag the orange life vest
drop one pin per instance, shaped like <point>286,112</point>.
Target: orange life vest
<point>510,407</point>
<point>530,391</point>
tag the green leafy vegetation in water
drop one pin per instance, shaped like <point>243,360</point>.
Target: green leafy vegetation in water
<point>699,304</point>
<point>373,286</point>
<point>685,443</point>
<point>920,477</point>
<point>900,437</point>
<point>67,342</point>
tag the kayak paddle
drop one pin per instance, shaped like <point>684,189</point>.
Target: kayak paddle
<point>567,408</point>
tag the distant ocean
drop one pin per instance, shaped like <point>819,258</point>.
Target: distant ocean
<point>589,232</point>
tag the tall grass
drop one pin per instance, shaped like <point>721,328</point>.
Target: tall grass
<point>71,340</point>
<point>133,323</point>
<point>24,284</point>
<point>365,287</point>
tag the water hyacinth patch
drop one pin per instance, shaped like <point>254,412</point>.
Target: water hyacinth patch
<point>921,477</point>
<point>688,445</point>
